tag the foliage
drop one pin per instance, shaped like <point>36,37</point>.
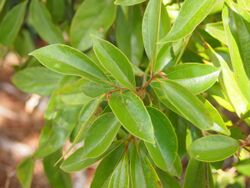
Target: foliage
<point>142,86</point>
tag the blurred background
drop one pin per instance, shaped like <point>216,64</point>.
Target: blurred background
<point>21,120</point>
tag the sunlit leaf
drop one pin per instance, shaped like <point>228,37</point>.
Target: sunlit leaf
<point>192,13</point>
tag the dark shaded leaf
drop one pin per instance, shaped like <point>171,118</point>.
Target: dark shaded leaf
<point>92,17</point>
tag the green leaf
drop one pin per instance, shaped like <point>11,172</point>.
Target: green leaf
<point>184,102</point>
<point>92,17</point>
<point>168,55</point>
<point>120,176</point>
<point>10,25</point>
<point>128,33</point>
<point>197,170</point>
<point>100,135</point>
<point>74,98</point>
<point>151,27</point>
<point>128,2</point>
<point>180,126</point>
<point>38,80</point>
<point>55,133</point>
<point>57,9</point>
<point>24,43</point>
<point>213,148</point>
<point>236,59</point>
<point>78,161</point>
<point>243,167</point>
<point>57,178</point>
<point>192,13</point>
<point>41,20</point>
<point>90,88</point>
<point>2,2</point>
<point>219,124</point>
<point>167,180</point>
<point>115,62</point>
<point>164,151</point>
<point>165,22</point>
<point>67,60</point>
<point>137,177</point>
<point>25,172</point>
<point>106,167</point>
<point>132,114</point>
<point>232,90</point>
<point>240,29</point>
<point>149,173</point>
<point>84,119</point>
<point>194,76</point>
<point>244,3</point>
<point>142,173</point>
<point>70,95</point>
<point>216,30</point>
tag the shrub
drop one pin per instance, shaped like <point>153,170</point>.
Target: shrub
<point>143,86</point>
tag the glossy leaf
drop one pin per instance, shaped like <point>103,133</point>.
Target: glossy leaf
<point>136,170</point>
<point>198,170</point>
<point>216,30</point>
<point>84,119</point>
<point>240,29</point>
<point>57,178</point>
<point>132,114</point>
<point>10,25</point>
<point>149,173</point>
<point>128,2</point>
<point>142,173</point>
<point>120,176</point>
<point>168,55</point>
<point>194,76</point>
<point>219,125</point>
<point>128,33</point>
<point>67,60</point>
<point>213,148</point>
<point>164,151</point>
<point>231,87</point>
<point>100,135</point>
<point>192,13</point>
<point>37,80</point>
<point>151,27</point>
<point>115,62</point>
<point>25,172</point>
<point>78,161</point>
<point>91,19</point>
<point>106,167</point>
<point>47,30</point>
<point>236,59</point>
<point>184,103</point>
